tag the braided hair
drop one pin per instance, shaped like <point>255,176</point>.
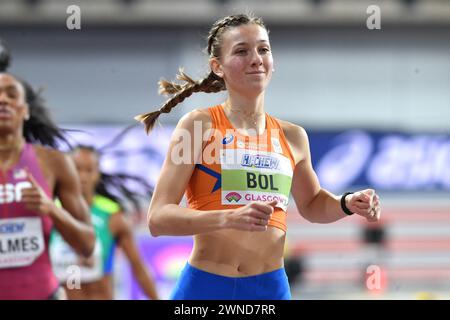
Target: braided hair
<point>210,83</point>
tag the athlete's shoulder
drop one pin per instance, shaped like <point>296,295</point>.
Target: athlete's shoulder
<point>56,163</point>
<point>297,139</point>
<point>197,114</point>
<point>200,116</point>
<point>51,156</point>
<point>107,205</point>
<point>45,150</point>
<point>293,132</point>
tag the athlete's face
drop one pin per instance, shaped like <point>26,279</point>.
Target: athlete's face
<point>87,165</point>
<point>13,107</point>
<point>245,61</point>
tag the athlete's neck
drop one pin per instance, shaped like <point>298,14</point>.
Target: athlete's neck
<point>245,113</point>
<point>247,105</point>
<point>10,148</point>
<point>89,197</point>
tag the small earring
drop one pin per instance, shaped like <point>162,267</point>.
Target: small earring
<point>273,70</point>
<point>27,117</point>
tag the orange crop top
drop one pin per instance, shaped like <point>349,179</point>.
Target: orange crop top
<point>236,169</point>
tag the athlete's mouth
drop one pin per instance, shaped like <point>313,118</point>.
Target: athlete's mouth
<point>256,72</point>
<point>5,112</point>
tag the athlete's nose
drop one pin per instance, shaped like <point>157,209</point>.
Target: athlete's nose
<point>256,59</point>
<point>3,97</point>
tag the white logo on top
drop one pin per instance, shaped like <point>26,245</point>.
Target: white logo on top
<point>12,192</point>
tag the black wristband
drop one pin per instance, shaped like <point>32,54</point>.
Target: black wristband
<point>343,206</point>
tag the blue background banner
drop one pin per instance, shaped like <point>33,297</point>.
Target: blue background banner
<point>386,161</point>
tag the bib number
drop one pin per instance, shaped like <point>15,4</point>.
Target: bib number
<point>63,257</point>
<point>21,241</point>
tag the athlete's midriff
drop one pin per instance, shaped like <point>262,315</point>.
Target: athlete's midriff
<point>235,253</point>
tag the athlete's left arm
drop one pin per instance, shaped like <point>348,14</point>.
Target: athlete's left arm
<point>73,220</point>
<point>314,202</point>
<point>123,232</point>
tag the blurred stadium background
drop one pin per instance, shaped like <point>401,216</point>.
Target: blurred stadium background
<point>376,104</point>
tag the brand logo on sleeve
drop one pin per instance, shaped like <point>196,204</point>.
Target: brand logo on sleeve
<point>227,139</point>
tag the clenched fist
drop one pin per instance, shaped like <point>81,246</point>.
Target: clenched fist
<point>366,203</point>
<point>251,217</point>
<point>34,197</point>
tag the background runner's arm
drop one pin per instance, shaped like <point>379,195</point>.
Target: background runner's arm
<point>124,235</point>
<point>73,220</point>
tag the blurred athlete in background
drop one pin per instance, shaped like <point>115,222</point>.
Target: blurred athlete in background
<point>32,173</point>
<point>112,229</point>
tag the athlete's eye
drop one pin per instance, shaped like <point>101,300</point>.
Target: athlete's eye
<point>240,51</point>
<point>12,93</point>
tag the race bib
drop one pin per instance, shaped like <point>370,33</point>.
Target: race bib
<point>250,175</point>
<point>21,241</point>
<point>64,258</point>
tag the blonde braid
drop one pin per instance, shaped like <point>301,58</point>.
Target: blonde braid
<point>211,83</point>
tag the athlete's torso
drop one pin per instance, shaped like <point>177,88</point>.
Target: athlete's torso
<point>241,169</point>
<point>25,268</point>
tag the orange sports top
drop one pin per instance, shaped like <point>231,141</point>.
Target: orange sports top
<point>236,169</point>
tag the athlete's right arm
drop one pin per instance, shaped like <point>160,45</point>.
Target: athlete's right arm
<point>166,217</point>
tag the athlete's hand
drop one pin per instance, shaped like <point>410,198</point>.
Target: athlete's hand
<point>366,203</point>
<point>35,198</point>
<point>251,217</point>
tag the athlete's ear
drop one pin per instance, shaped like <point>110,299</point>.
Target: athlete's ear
<point>216,67</point>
